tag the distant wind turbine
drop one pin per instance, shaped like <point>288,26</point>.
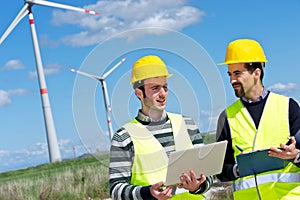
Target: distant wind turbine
<point>53,148</point>
<point>105,93</point>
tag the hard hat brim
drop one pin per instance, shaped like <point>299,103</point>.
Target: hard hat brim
<point>234,62</point>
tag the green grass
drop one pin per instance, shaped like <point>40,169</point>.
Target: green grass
<point>80,178</point>
<point>209,138</point>
<point>76,179</point>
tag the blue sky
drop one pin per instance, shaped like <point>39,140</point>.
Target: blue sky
<point>191,36</point>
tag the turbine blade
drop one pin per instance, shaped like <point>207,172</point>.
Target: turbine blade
<point>58,5</point>
<point>23,12</point>
<point>114,67</point>
<point>85,74</point>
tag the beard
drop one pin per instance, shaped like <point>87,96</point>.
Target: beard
<point>239,92</point>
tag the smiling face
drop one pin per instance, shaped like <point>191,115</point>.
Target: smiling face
<point>155,96</point>
<point>244,83</point>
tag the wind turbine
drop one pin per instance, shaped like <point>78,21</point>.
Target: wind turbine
<point>53,148</point>
<point>105,93</point>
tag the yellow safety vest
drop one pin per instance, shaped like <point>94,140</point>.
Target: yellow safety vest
<point>273,129</point>
<point>150,160</point>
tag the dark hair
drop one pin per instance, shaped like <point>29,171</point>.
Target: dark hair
<point>138,84</point>
<point>253,66</point>
<point>143,90</point>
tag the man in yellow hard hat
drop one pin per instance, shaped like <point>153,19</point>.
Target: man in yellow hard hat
<point>140,149</point>
<point>259,119</point>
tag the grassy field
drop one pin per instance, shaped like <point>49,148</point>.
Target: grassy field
<point>81,178</point>
<point>76,179</point>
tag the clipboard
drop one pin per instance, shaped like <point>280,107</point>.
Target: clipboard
<point>205,159</point>
<point>257,162</point>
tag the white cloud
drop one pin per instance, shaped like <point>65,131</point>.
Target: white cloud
<point>284,88</point>
<point>50,69</point>
<point>5,96</point>
<point>37,154</point>
<point>46,41</point>
<point>121,15</point>
<point>13,65</point>
<point>19,92</point>
<point>3,153</point>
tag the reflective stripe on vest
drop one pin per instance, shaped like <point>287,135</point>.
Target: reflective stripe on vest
<point>266,178</point>
<point>150,161</point>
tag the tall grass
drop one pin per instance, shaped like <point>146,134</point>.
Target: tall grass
<point>82,178</point>
<point>77,179</point>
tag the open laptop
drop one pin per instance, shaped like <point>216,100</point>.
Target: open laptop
<point>205,159</point>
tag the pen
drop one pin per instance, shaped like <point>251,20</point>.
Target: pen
<point>288,143</point>
<point>239,148</point>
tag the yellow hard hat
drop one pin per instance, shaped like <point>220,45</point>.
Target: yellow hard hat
<point>244,51</point>
<point>148,67</point>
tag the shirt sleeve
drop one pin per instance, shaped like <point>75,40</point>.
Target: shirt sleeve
<point>121,159</point>
<point>223,133</point>
<point>294,119</point>
<point>294,122</point>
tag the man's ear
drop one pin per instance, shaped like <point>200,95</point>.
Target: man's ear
<point>257,73</point>
<point>139,93</point>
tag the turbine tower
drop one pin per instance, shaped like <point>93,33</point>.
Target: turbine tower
<point>53,147</point>
<point>105,93</point>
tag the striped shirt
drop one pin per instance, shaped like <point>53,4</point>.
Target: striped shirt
<point>122,156</point>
